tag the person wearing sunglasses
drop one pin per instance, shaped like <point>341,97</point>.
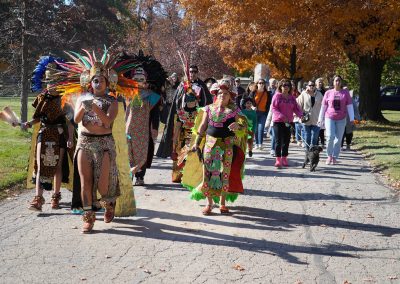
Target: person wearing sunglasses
<point>261,98</point>
<point>310,101</point>
<point>336,105</point>
<point>284,105</point>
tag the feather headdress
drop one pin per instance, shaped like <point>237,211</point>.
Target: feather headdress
<point>153,70</point>
<point>77,73</point>
<point>45,64</point>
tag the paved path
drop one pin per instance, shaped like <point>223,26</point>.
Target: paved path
<point>292,226</point>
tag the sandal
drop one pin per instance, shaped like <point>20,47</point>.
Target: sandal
<point>37,203</point>
<point>207,210</point>
<point>55,200</point>
<point>88,217</point>
<point>109,212</point>
<point>223,209</point>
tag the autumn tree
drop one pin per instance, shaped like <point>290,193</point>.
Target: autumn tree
<point>163,30</point>
<point>33,28</point>
<point>324,32</point>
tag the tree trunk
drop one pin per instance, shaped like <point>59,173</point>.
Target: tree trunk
<point>24,66</point>
<point>370,68</point>
<point>293,59</point>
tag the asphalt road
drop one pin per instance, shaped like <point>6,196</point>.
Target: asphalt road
<point>337,224</point>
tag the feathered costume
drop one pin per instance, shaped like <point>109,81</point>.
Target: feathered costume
<point>139,111</point>
<point>184,118</point>
<point>52,131</point>
<point>74,80</point>
<point>219,169</point>
<point>204,98</point>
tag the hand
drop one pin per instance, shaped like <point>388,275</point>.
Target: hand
<point>352,122</point>
<point>233,126</point>
<point>154,134</point>
<point>70,144</point>
<point>194,148</point>
<point>95,108</point>
<point>320,123</point>
<point>26,125</point>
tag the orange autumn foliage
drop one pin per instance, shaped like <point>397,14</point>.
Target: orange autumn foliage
<point>323,31</point>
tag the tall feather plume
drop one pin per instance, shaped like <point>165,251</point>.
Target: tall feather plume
<point>89,56</point>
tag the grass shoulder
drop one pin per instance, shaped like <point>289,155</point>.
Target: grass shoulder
<point>380,143</point>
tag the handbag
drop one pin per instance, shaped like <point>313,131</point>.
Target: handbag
<point>306,117</point>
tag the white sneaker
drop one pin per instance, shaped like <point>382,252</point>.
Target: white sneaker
<point>272,153</point>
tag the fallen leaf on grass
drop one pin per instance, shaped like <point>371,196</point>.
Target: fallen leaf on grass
<point>238,267</point>
<point>107,256</point>
<point>370,216</point>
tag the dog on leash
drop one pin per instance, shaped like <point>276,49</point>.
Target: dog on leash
<point>312,157</point>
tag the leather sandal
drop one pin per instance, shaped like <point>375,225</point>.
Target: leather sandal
<point>55,200</point>
<point>223,209</point>
<point>207,210</point>
<point>88,217</point>
<point>37,203</point>
<point>109,212</point>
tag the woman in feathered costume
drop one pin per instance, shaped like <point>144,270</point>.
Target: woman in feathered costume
<point>220,143</point>
<point>142,112</point>
<point>51,138</point>
<point>96,112</point>
<point>184,119</point>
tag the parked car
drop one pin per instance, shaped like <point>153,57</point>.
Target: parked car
<point>390,98</point>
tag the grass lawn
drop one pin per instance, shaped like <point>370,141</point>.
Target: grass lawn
<point>381,145</point>
<point>15,147</point>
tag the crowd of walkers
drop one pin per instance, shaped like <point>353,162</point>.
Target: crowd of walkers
<point>104,114</point>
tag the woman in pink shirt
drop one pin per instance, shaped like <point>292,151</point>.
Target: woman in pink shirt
<point>284,105</point>
<point>337,103</point>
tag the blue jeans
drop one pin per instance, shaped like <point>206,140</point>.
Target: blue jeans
<point>261,119</point>
<point>298,127</point>
<point>311,134</point>
<point>334,134</point>
<point>272,136</point>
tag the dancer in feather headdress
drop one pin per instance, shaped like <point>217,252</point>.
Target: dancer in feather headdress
<point>53,133</point>
<point>215,167</point>
<point>142,112</point>
<point>97,82</point>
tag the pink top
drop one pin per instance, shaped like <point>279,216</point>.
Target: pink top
<point>336,103</point>
<point>284,107</point>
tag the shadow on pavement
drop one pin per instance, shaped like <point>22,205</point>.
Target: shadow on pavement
<point>146,228</point>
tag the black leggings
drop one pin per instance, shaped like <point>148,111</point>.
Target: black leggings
<point>282,139</point>
<point>349,138</point>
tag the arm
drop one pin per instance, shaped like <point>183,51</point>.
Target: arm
<point>275,108</point>
<point>78,116</point>
<point>30,123</point>
<point>109,117</point>
<point>70,142</point>
<point>350,111</point>
<point>202,130</point>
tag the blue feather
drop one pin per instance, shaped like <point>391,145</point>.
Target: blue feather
<point>40,69</point>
